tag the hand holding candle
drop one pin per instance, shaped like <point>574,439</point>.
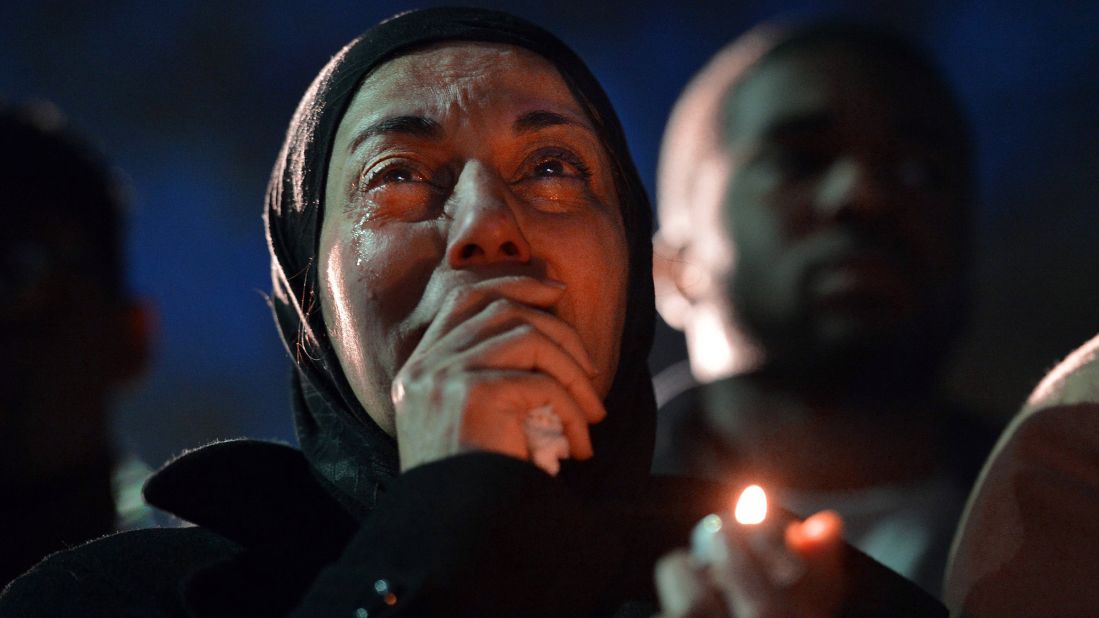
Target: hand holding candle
<point>750,512</point>
<point>747,563</point>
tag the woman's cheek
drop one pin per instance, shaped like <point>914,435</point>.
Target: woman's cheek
<point>393,264</point>
<point>595,257</point>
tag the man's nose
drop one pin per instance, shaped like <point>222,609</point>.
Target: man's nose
<point>484,228</point>
<point>852,187</point>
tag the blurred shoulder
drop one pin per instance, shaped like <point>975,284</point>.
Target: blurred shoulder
<point>1030,524</point>
<point>1058,427</point>
<point>135,573</point>
<point>1073,381</point>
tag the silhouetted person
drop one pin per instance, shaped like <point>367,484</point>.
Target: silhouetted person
<point>71,335</point>
<point>815,196</point>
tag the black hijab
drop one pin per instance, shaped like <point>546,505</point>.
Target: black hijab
<point>350,453</point>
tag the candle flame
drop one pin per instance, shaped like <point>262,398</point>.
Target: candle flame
<point>751,507</point>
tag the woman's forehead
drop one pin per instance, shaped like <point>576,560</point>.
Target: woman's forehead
<point>456,76</point>
<point>460,59</point>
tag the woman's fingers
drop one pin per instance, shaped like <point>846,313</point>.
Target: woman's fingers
<point>464,302</point>
<point>508,335</point>
<point>493,352</point>
<point>496,404</point>
<point>503,313</point>
<point>497,304</point>
<point>684,588</point>
<point>527,349</point>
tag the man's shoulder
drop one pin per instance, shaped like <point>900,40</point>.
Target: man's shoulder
<point>679,419</point>
<point>129,573</point>
<point>1073,381</point>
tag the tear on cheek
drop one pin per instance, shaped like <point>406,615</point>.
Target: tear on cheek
<point>358,241</point>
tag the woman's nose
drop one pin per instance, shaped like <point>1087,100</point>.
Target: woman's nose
<point>484,228</point>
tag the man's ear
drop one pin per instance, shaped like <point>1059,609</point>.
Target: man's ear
<point>673,299</point>
<point>137,329</point>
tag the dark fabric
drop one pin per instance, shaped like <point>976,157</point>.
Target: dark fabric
<point>349,450</point>
<point>43,517</point>
<point>136,574</point>
<point>272,540</point>
<point>274,543</point>
<point>686,446</point>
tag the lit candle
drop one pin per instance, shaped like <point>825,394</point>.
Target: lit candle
<point>751,507</point>
<point>761,534</point>
<point>750,512</point>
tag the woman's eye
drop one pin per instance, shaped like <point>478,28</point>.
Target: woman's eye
<point>557,163</point>
<point>551,167</point>
<point>554,179</point>
<point>397,173</point>
<point>402,190</point>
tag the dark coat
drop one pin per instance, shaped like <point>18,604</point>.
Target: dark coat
<point>504,539</point>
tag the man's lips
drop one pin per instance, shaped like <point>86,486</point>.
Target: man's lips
<point>861,278</point>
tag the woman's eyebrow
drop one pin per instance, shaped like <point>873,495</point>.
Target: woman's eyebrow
<point>541,119</point>
<point>415,126</point>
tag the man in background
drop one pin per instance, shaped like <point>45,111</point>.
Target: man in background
<point>71,336</point>
<point>815,196</point>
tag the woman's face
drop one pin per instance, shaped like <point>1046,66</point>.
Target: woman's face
<point>458,164</point>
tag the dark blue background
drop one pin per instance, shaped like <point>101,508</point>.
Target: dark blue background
<point>192,99</point>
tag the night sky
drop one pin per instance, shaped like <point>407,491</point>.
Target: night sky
<point>192,99</point>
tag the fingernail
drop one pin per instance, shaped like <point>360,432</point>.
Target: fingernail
<point>705,539</point>
<point>554,283</point>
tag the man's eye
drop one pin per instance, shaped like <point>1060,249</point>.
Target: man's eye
<point>803,163</point>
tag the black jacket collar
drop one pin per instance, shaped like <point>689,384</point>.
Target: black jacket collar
<point>264,497</point>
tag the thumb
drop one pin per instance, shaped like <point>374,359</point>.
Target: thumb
<point>819,535</point>
<point>819,542</point>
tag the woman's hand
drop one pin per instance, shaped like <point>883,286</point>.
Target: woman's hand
<point>494,352</point>
<point>749,575</point>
